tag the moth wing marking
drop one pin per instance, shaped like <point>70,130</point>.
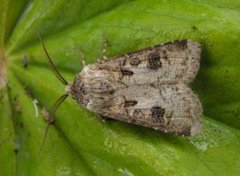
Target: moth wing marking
<point>168,63</point>
<point>168,108</point>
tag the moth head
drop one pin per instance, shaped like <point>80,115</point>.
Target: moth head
<point>68,89</point>
<point>72,88</point>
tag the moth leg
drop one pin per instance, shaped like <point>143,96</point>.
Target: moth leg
<point>83,58</point>
<point>50,121</point>
<point>105,46</point>
<point>48,116</point>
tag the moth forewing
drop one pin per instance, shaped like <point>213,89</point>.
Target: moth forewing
<point>166,63</point>
<point>146,87</point>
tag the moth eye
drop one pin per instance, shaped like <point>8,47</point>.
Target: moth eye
<point>154,61</point>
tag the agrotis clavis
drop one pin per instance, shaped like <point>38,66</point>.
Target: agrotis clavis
<point>148,87</point>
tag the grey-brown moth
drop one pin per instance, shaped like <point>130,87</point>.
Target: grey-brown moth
<point>148,87</point>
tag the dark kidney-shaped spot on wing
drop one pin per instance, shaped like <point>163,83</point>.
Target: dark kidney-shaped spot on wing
<point>157,112</point>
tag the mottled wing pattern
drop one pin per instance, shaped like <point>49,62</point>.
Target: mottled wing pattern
<point>167,63</point>
<point>169,108</point>
<point>146,87</point>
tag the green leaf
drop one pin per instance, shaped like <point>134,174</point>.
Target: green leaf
<point>79,143</point>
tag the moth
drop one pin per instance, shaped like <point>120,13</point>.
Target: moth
<point>148,87</point>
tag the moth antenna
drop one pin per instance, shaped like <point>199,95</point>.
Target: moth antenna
<point>50,63</point>
<point>44,138</point>
<point>50,120</point>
